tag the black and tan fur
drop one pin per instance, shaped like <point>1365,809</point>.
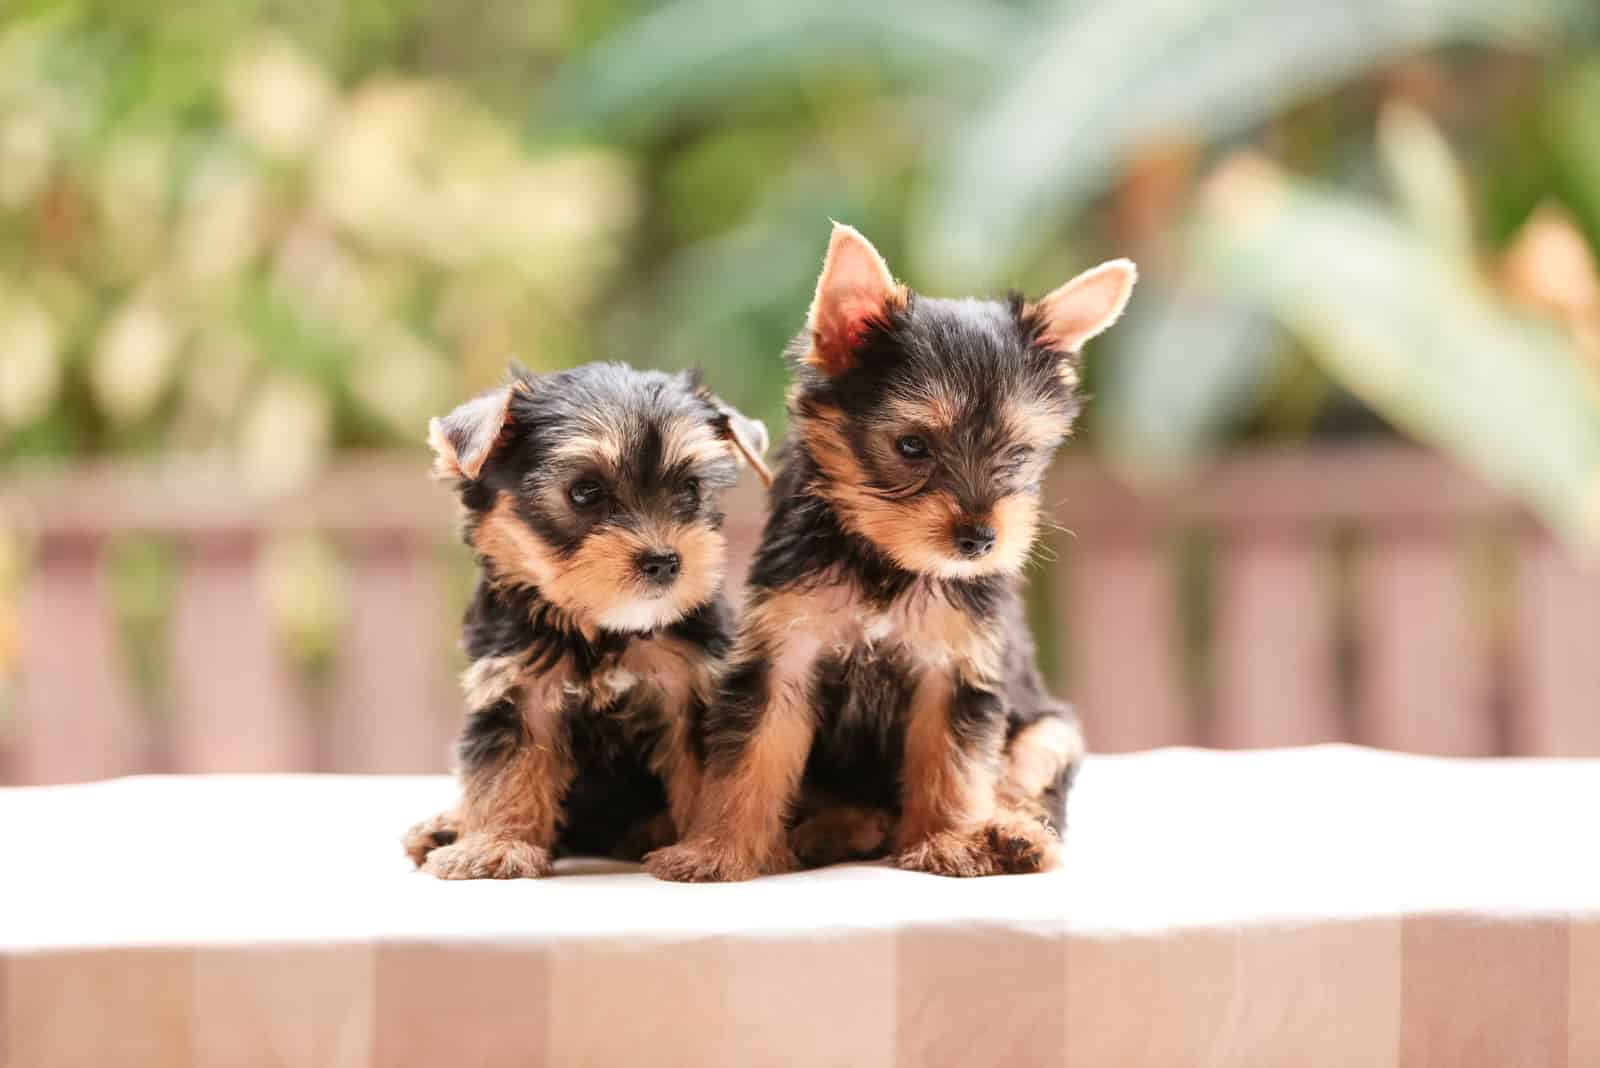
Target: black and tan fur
<point>882,694</point>
<point>598,627</point>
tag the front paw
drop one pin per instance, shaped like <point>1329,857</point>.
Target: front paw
<point>482,856</point>
<point>1010,844</point>
<point>703,862</point>
<point>960,854</point>
<point>423,838</point>
<point>1022,844</point>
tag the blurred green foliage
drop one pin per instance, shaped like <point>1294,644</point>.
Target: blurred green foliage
<point>221,229</point>
<point>280,229</point>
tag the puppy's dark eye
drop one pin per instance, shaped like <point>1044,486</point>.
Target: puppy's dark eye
<point>585,493</point>
<point>912,447</point>
<point>691,491</point>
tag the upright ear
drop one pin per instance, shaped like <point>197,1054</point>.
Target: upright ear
<point>854,290</point>
<point>463,440</point>
<point>1085,306</point>
<point>747,436</point>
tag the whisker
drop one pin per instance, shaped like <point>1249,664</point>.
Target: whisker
<point>1042,552</point>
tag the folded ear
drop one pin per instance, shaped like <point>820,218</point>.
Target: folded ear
<point>1085,306</point>
<point>747,436</point>
<point>463,440</point>
<point>854,290</point>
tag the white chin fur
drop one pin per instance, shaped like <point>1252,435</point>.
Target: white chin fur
<point>963,569</point>
<point>642,615</point>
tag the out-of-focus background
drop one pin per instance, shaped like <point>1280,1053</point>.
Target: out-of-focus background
<point>1340,477</point>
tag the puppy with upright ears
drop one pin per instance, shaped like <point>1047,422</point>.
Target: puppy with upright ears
<point>882,693</point>
<point>598,627</point>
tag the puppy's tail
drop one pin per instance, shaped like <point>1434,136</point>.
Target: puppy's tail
<point>1041,759</point>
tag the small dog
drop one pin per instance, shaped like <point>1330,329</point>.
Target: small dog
<point>882,691</point>
<point>598,626</point>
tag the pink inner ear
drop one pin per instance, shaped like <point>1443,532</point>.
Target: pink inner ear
<point>855,288</point>
<point>1087,305</point>
<point>840,325</point>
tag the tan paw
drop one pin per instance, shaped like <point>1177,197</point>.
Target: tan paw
<point>1010,844</point>
<point>430,834</point>
<point>842,833</point>
<point>482,856</point>
<point>701,862</point>
<point>961,854</point>
<point>1021,844</point>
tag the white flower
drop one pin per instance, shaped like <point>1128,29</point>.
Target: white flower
<point>133,362</point>
<point>30,363</point>
<point>277,96</point>
<point>319,275</point>
<point>221,228</point>
<point>285,438</point>
<point>400,379</point>
<point>27,152</point>
<point>366,179</point>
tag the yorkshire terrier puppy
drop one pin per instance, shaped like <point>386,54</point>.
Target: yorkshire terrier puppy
<point>598,627</point>
<point>882,693</point>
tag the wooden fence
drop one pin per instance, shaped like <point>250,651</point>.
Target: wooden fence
<point>1376,595</point>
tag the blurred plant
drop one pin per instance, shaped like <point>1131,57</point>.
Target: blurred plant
<point>1063,126</point>
<point>11,568</point>
<point>280,229</point>
<point>994,147</point>
<point>303,578</point>
<point>1397,309</point>
<point>142,581</point>
<point>269,264</point>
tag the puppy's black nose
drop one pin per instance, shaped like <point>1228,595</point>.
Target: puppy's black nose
<point>973,541</point>
<point>659,566</point>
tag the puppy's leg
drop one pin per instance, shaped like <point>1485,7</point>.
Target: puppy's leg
<point>757,739</point>
<point>514,770</point>
<point>952,741</point>
<point>950,822</point>
<point>674,761</point>
<point>652,832</point>
<point>837,833</point>
<point>1040,761</point>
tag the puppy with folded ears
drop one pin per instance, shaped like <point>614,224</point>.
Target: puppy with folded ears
<point>598,627</point>
<point>882,694</point>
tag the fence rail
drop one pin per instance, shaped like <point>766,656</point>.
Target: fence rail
<point>1372,594</point>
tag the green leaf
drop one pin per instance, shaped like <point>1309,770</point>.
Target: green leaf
<point>1572,122</point>
<point>1417,335</point>
<point>685,54</point>
<point>1110,77</point>
<point>731,302</point>
<point>1427,178</point>
<point>1183,366</point>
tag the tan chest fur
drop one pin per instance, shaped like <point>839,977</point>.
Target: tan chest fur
<point>663,671</point>
<point>669,668</point>
<point>932,631</point>
<point>922,626</point>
